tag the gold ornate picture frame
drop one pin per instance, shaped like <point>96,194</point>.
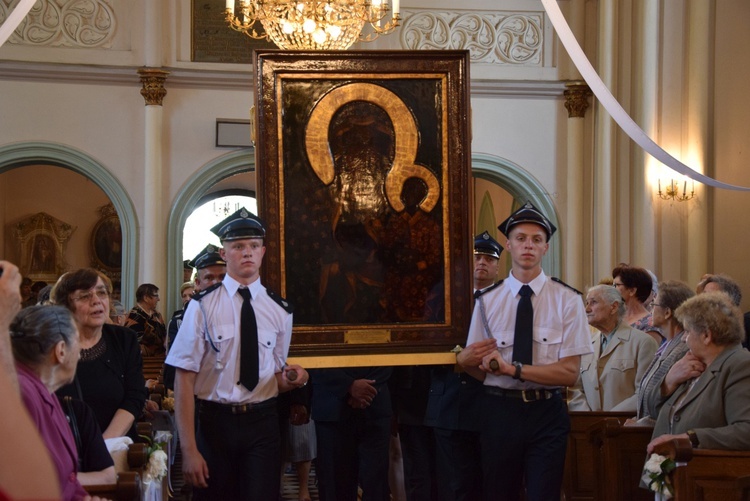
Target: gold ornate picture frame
<point>42,239</point>
<point>363,169</point>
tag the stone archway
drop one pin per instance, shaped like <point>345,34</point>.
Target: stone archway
<point>30,153</point>
<point>186,201</point>
<point>522,186</point>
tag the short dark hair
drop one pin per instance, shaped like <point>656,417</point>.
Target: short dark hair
<point>37,329</point>
<point>144,290</point>
<point>79,280</point>
<point>728,286</point>
<point>634,277</point>
<point>672,293</point>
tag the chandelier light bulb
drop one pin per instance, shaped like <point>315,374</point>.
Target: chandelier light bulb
<point>308,26</point>
<point>287,27</point>
<point>319,36</point>
<point>333,30</point>
<point>301,7</point>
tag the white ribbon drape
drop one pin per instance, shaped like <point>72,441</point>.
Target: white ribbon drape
<point>14,19</point>
<point>617,112</point>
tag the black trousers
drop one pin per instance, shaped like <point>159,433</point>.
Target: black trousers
<point>418,450</point>
<point>458,465</point>
<point>523,443</point>
<point>242,452</point>
<point>352,451</point>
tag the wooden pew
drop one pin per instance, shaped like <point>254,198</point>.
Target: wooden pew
<point>153,367</point>
<point>579,474</point>
<point>708,474</point>
<point>619,456</point>
<point>129,484</point>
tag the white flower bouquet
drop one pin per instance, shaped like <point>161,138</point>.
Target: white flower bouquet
<point>656,475</point>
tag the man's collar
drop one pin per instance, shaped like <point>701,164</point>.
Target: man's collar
<point>536,285</point>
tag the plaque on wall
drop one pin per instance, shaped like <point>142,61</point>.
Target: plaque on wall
<point>213,41</point>
<point>363,171</point>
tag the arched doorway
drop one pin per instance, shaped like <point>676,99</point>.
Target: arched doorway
<point>43,153</point>
<point>521,186</point>
<point>190,197</point>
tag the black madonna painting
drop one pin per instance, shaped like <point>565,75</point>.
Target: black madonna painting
<point>363,181</point>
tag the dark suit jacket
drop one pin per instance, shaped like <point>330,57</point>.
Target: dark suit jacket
<point>331,392</point>
<point>717,407</point>
<point>455,400</point>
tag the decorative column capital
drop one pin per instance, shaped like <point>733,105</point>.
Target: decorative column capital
<point>153,90</point>
<point>576,95</point>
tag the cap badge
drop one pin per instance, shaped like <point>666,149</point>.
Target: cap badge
<point>244,214</point>
<point>210,248</point>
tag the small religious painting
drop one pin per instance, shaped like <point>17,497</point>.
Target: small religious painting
<point>106,241</point>
<point>363,168</point>
<point>41,242</point>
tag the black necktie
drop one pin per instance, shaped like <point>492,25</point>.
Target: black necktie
<point>248,343</point>
<point>523,338</point>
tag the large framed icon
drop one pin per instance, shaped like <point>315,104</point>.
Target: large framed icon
<point>363,170</point>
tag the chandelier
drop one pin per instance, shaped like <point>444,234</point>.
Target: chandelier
<point>672,191</point>
<point>313,24</point>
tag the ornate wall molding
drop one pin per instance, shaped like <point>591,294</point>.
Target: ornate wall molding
<point>64,23</point>
<point>153,90</point>
<point>513,38</point>
<point>577,95</point>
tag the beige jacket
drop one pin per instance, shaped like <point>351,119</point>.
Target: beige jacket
<point>608,382</point>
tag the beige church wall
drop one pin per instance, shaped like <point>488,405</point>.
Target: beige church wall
<point>190,128</point>
<point>59,192</point>
<point>730,236</point>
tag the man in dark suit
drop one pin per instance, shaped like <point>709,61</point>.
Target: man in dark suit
<point>352,412</point>
<point>453,408</point>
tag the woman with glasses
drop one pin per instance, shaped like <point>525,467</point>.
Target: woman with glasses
<point>634,285</point>
<point>110,372</point>
<point>147,322</point>
<point>652,392</point>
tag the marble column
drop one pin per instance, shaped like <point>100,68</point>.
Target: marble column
<point>153,265</point>
<point>576,102</point>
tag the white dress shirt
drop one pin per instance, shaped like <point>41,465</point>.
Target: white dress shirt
<point>560,326</point>
<point>208,343</point>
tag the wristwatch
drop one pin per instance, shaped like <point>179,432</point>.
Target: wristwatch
<point>693,437</point>
<point>518,366</point>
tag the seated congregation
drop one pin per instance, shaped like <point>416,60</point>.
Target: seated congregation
<point>660,400</point>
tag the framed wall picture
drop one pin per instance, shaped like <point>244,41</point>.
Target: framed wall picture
<point>41,246</point>
<point>363,168</point>
<point>106,242</point>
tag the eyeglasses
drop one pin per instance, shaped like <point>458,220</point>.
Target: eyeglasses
<point>659,305</point>
<point>154,295</point>
<point>86,296</point>
<point>615,284</point>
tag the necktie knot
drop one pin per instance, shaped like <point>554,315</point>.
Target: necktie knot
<point>245,293</point>
<point>526,291</point>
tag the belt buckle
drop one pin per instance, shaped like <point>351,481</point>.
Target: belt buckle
<point>530,392</point>
<point>240,409</point>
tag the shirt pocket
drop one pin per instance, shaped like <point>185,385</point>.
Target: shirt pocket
<point>221,339</point>
<point>548,343</point>
<point>622,364</point>
<point>266,345</point>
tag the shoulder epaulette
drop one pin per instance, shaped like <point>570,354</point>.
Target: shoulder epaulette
<point>280,301</point>
<point>198,296</point>
<point>486,290</point>
<point>566,285</point>
<point>178,313</point>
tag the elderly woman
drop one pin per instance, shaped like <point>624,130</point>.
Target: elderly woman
<point>110,373</point>
<point>147,322</point>
<point>652,391</point>
<point>609,377</point>
<point>46,349</point>
<point>712,408</point>
<point>635,286</point>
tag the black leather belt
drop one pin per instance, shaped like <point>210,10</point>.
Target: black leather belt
<point>525,395</point>
<point>237,408</point>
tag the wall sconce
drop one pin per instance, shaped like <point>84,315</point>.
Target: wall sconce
<point>672,191</point>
